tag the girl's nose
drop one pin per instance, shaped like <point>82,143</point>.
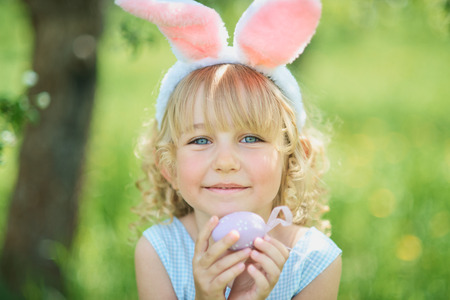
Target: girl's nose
<point>226,160</point>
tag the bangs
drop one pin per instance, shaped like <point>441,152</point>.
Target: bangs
<point>234,97</point>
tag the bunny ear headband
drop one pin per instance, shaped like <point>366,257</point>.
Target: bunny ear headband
<point>269,35</point>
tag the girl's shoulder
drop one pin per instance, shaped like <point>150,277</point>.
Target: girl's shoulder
<point>168,234</point>
<point>150,272</point>
<point>299,232</point>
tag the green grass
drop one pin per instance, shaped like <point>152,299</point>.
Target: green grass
<point>380,79</point>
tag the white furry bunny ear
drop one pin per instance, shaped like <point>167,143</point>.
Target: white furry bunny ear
<point>272,33</point>
<point>194,31</point>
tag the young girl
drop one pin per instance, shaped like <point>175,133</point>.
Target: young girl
<point>230,136</point>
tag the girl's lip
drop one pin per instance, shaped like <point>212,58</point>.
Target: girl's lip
<point>225,188</point>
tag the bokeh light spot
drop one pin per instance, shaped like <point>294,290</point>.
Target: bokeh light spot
<point>364,157</point>
<point>409,248</point>
<point>43,100</point>
<point>84,46</point>
<point>8,137</point>
<point>382,203</point>
<point>30,78</point>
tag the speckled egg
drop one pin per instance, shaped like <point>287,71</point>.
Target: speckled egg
<point>248,224</point>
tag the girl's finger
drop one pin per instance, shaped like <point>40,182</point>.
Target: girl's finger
<point>201,245</point>
<point>270,249</point>
<point>261,282</point>
<point>230,260</point>
<point>267,264</point>
<point>219,248</point>
<point>280,246</point>
<point>227,276</point>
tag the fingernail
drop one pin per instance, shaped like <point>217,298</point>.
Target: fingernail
<point>258,240</point>
<point>267,238</point>
<point>232,235</point>
<point>251,268</point>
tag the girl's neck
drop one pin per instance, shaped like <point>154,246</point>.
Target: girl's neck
<point>190,224</point>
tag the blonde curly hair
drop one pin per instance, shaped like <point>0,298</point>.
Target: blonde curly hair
<point>254,103</point>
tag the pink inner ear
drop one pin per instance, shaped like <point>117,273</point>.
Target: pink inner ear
<point>279,31</point>
<point>195,31</point>
<point>195,41</point>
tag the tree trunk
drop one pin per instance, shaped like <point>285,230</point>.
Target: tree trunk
<point>44,204</point>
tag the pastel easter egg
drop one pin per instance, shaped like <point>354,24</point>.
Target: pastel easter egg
<point>248,224</point>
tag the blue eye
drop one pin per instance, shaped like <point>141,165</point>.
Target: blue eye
<point>251,139</point>
<point>200,141</point>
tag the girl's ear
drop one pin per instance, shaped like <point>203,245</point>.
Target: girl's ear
<point>165,171</point>
<point>167,174</point>
<point>306,146</point>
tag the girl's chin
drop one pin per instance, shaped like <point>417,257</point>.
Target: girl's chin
<point>223,210</point>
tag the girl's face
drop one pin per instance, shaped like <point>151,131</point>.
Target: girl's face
<point>219,172</point>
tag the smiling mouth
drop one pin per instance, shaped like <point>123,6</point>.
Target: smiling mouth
<point>227,188</point>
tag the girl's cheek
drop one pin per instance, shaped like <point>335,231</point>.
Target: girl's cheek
<point>189,166</point>
<point>266,162</point>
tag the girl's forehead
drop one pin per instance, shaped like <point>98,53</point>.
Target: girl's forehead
<point>204,116</point>
<point>225,101</point>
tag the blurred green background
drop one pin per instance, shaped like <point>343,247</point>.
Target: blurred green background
<point>378,71</point>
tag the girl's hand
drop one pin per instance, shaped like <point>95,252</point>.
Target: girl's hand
<point>267,262</point>
<point>213,265</point>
